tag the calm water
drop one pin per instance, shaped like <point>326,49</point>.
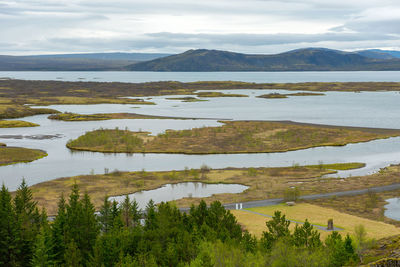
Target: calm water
<point>393,208</point>
<point>374,109</point>
<point>171,192</point>
<point>368,109</point>
<point>258,77</point>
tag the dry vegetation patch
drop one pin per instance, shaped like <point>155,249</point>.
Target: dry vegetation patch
<point>263,183</point>
<point>12,155</point>
<point>232,137</point>
<point>15,124</point>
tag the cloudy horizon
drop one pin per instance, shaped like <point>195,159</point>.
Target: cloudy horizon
<point>253,26</point>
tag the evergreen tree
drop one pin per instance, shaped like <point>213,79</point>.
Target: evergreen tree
<point>305,236</point>
<point>151,216</point>
<point>89,226</point>
<point>8,231</point>
<point>42,251</point>
<point>277,228</point>
<point>58,233</point>
<point>106,218</point>
<point>126,209</point>
<point>135,213</point>
<point>28,221</point>
<point>72,255</point>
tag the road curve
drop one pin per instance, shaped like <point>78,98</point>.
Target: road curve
<point>274,201</point>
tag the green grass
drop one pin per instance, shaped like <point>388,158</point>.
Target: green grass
<point>15,124</point>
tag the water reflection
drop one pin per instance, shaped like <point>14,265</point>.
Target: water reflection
<point>171,192</point>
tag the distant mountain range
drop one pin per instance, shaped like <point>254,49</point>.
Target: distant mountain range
<point>74,62</point>
<point>308,59</point>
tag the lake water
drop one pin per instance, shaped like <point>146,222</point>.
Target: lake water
<point>393,208</point>
<point>258,77</point>
<point>171,192</point>
<point>367,109</point>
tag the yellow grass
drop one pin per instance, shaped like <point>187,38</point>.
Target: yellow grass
<point>16,123</point>
<point>315,215</point>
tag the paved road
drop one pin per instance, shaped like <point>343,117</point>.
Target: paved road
<point>274,201</point>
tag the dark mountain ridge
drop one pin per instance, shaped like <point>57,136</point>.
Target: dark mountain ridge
<point>309,59</point>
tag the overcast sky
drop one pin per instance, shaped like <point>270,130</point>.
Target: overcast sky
<point>249,26</point>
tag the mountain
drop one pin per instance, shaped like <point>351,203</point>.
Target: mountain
<point>109,56</point>
<point>379,54</point>
<point>309,59</point>
<point>74,62</point>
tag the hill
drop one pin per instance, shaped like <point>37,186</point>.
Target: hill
<point>309,59</point>
<point>74,62</point>
<point>379,54</point>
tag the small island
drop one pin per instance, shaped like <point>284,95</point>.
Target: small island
<point>278,95</point>
<point>231,137</point>
<point>16,124</point>
<point>13,155</point>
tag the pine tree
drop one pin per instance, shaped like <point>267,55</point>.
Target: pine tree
<point>41,253</point>
<point>135,212</point>
<point>8,231</point>
<point>90,227</point>
<point>58,233</point>
<point>28,220</point>
<point>126,209</point>
<point>106,218</point>
<point>72,256</point>
<point>151,216</point>
<point>278,228</point>
<point>306,236</point>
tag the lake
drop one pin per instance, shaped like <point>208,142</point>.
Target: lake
<point>367,109</point>
<point>257,77</point>
<point>171,192</point>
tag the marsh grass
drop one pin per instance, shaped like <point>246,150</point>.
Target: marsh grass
<point>67,116</point>
<point>12,155</point>
<point>269,183</point>
<point>16,123</point>
<point>18,111</point>
<point>232,137</point>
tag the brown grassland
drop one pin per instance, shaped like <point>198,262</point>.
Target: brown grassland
<point>264,183</point>
<point>12,155</point>
<point>316,215</point>
<point>107,116</point>
<point>231,137</point>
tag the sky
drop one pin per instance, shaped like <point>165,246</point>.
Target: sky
<point>174,26</point>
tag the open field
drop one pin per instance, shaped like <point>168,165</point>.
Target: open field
<point>370,206</point>
<point>12,155</point>
<point>315,215</point>
<point>15,124</point>
<point>108,116</point>
<point>232,137</point>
